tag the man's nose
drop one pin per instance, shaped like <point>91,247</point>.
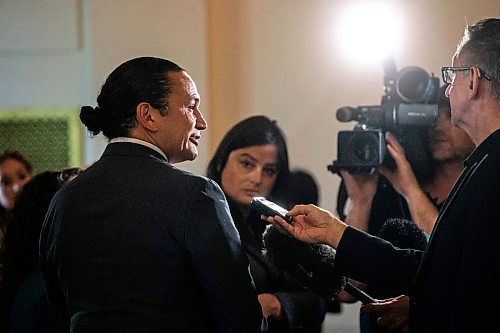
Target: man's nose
<point>443,121</point>
<point>201,123</point>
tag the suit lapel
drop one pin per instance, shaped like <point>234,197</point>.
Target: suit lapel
<point>447,206</point>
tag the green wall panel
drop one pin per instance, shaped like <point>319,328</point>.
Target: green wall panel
<point>50,138</point>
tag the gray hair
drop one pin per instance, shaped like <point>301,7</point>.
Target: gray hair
<point>480,46</point>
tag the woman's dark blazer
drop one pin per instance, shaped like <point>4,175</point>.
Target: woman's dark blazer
<point>134,244</point>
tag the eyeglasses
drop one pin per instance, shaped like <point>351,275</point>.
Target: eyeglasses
<point>448,73</point>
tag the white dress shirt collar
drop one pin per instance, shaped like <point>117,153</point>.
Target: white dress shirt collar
<point>140,142</point>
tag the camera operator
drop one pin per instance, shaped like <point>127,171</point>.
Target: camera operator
<point>409,108</point>
<point>464,244</point>
<point>449,147</point>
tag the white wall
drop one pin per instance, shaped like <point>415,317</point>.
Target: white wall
<point>43,58</point>
<point>175,30</point>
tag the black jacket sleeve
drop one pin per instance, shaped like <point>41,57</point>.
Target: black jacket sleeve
<point>374,261</point>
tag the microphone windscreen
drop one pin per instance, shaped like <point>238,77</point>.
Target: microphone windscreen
<point>312,265</point>
<point>403,233</point>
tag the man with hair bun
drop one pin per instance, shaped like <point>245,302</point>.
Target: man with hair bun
<point>135,244</point>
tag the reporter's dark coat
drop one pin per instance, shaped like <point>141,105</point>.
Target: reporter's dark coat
<point>134,244</point>
<point>458,275</point>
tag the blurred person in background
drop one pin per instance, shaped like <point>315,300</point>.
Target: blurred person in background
<point>23,300</point>
<point>15,171</point>
<point>303,188</point>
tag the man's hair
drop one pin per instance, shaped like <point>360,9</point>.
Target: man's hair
<point>303,188</point>
<point>136,81</point>
<point>480,46</point>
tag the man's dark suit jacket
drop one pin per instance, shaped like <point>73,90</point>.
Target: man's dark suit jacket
<point>134,244</point>
<point>458,274</point>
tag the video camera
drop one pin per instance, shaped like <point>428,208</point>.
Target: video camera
<point>409,101</point>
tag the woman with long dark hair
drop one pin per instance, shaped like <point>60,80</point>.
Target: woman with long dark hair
<point>252,160</point>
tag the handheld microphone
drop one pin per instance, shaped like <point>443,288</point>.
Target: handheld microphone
<point>311,265</point>
<point>403,233</point>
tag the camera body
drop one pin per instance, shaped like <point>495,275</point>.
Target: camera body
<point>363,148</point>
<point>410,101</point>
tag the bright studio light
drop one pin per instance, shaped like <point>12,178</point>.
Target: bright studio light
<point>369,30</point>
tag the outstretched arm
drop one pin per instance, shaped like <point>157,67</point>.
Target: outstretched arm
<point>423,212</point>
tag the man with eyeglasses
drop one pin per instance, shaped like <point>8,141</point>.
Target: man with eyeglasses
<point>455,278</point>
<point>449,147</point>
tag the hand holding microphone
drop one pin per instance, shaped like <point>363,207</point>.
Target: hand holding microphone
<point>311,224</point>
<point>311,265</point>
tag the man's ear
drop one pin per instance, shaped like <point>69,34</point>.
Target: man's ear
<point>475,79</point>
<point>146,116</point>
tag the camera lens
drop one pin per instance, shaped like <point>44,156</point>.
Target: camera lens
<point>412,84</point>
<point>360,148</point>
<point>364,148</point>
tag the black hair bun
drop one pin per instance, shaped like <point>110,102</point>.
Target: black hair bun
<point>91,118</point>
